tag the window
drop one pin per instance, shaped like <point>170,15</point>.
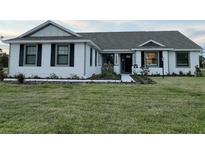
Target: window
<point>62,54</point>
<point>108,59</point>
<point>31,52</point>
<point>91,56</point>
<point>96,57</point>
<point>151,58</point>
<point>182,59</point>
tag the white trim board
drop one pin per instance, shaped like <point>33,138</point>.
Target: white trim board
<point>151,41</point>
<point>165,49</point>
<point>65,80</point>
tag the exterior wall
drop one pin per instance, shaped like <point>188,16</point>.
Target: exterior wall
<point>169,63</point>
<point>90,70</point>
<point>50,31</point>
<point>45,70</point>
<point>82,56</point>
<point>194,60</point>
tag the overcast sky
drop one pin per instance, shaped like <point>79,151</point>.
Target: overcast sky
<point>194,29</point>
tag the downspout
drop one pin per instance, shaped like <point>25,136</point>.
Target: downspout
<point>85,59</point>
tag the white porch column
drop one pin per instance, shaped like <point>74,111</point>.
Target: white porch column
<point>117,63</point>
<point>137,62</point>
<point>165,62</point>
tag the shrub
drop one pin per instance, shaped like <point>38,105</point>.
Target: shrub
<point>145,71</point>
<point>174,74</point>
<point>189,73</point>
<point>20,78</point>
<point>105,76</point>
<point>181,73</point>
<point>107,68</point>
<point>2,74</point>
<point>198,71</point>
<point>73,76</point>
<point>36,77</point>
<point>53,76</point>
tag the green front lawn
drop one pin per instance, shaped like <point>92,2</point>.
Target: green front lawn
<point>173,105</point>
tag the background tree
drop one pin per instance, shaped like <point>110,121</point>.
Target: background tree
<point>3,58</point>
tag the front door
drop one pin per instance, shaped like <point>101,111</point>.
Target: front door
<point>126,63</point>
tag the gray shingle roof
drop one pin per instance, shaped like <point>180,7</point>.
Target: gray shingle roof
<point>129,40</point>
<point>47,38</point>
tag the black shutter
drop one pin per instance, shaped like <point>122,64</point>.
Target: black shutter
<point>95,57</point>
<point>39,55</point>
<point>21,55</point>
<point>142,58</point>
<point>160,59</point>
<point>91,56</point>
<point>72,53</point>
<point>53,54</point>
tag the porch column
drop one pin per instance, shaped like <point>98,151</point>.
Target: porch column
<point>165,62</point>
<point>117,63</point>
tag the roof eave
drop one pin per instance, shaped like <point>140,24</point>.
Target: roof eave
<point>53,41</point>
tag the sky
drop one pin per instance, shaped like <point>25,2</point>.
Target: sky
<point>194,29</point>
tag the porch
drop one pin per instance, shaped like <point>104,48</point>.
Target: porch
<point>130,62</point>
<point>121,63</point>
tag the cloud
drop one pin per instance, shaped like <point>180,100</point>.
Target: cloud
<point>8,34</point>
<point>80,25</point>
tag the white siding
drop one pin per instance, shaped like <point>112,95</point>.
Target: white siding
<point>194,60</point>
<point>170,63</point>
<point>50,31</point>
<point>90,70</point>
<point>45,70</point>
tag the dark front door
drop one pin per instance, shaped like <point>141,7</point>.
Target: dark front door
<point>126,63</point>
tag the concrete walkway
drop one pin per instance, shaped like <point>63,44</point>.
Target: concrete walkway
<point>126,78</point>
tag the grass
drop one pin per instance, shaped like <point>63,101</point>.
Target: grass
<point>5,70</point>
<point>203,72</point>
<point>173,105</point>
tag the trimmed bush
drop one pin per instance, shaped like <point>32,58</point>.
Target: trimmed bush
<point>75,77</point>
<point>53,76</point>
<point>20,78</point>
<point>106,76</point>
<point>198,71</point>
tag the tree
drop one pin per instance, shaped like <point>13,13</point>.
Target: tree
<point>3,58</point>
<point>202,61</point>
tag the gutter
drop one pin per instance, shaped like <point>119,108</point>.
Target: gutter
<point>53,41</point>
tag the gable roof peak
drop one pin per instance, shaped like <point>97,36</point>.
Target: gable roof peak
<point>151,41</point>
<point>45,24</point>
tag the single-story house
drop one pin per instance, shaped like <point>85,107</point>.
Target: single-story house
<point>50,48</point>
